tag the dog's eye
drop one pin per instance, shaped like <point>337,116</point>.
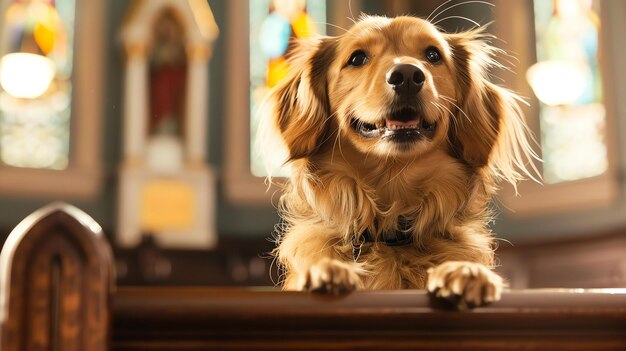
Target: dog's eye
<point>358,58</point>
<point>433,55</point>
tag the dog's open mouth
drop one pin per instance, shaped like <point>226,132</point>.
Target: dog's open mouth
<point>404,125</point>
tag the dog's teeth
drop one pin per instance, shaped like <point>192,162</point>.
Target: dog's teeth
<point>408,126</point>
<point>394,126</point>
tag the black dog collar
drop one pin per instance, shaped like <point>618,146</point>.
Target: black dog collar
<point>403,236</point>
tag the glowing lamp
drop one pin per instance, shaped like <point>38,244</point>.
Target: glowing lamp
<point>24,75</point>
<point>557,82</point>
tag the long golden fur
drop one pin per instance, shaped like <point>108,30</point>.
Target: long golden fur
<point>351,171</point>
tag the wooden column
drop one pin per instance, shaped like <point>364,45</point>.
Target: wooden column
<point>56,277</point>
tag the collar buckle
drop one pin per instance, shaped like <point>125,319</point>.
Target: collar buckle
<point>357,244</point>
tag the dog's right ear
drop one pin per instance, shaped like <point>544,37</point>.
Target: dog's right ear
<point>300,103</point>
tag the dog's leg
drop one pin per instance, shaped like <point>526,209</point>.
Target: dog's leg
<point>308,252</point>
<point>467,284</point>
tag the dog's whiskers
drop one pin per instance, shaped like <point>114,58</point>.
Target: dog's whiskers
<point>441,111</point>
<point>458,17</point>
<point>452,101</point>
<point>435,10</point>
<point>459,4</point>
<point>351,13</point>
<point>453,117</point>
<point>332,25</point>
<point>451,114</point>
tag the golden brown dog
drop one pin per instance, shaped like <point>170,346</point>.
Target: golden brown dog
<point>396,142</point>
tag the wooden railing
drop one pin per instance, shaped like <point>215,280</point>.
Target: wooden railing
<point>68,308</point>
<point>246,319</point>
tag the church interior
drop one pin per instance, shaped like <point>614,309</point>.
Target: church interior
<point>134,121</point>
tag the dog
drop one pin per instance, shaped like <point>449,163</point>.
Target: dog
<point>396,142</point>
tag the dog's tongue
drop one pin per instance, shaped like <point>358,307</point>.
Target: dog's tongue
<point>394,124</point>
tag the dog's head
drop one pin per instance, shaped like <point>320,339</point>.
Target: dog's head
<point>400,88</point>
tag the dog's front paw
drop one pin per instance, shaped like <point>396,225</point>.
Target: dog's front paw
<point>465,284</point>
<point>330,276</point>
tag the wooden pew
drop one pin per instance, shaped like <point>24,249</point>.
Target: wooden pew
<point>56,280</point>
<point>68,308</point>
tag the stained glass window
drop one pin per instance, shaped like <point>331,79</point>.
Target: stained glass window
<point>273,24</point>
<point>35,75</point>
<point>567,81</point>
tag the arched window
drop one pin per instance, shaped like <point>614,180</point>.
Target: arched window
<point>50,102</point>
<point>571,54</point>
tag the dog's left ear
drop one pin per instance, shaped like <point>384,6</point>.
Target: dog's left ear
<point>489,132</point>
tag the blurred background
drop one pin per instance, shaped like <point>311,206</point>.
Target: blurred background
<point>141,113</point>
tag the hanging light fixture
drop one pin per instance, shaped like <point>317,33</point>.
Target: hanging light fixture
<point>25,75</point>
<point>557,82</point>
<point>26,71</point>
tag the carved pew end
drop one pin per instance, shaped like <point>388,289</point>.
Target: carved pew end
<point>56,280</point>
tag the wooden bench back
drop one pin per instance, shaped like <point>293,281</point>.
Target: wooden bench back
<point>56,279</point>
<point>56,282</point>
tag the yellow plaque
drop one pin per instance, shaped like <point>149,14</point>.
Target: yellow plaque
<point>167,205</point>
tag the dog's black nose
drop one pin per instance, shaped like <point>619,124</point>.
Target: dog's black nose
<point>406,78</point>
